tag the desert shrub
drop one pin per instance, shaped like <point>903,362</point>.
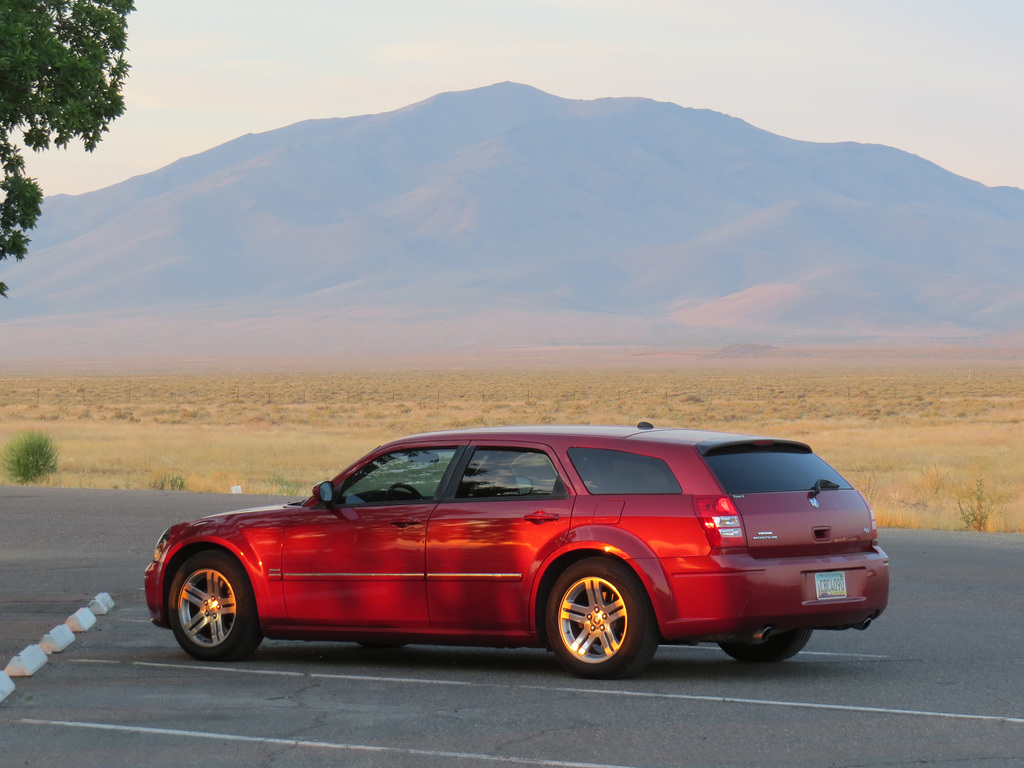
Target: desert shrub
<point>975,508</point>
<point>167,482</point>
<point>28,456</point>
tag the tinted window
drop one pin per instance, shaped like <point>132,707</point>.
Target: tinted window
<point>398,477</point>
<point>505,472</point>
<point>619,472</point>
<point>751,469</point>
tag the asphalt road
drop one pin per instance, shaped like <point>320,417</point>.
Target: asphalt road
<point>937,680</point>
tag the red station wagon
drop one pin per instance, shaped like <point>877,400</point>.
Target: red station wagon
<point>599,543</point>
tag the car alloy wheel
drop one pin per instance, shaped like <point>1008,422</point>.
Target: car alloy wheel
<point>592,620</point>
<point>600,623</point>
<point>213,611</point>
<point>206,607</point>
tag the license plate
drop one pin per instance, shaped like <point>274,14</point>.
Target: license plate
<point>829,586</point>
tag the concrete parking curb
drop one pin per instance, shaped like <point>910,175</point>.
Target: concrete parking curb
<point>6,685</point>
<point>34,657</point>
<point>81,620</point>
<point>100,604</point>
<point>26,663</point>
<point>57,639</point>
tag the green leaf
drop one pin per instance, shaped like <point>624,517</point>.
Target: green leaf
<point>62,72</point>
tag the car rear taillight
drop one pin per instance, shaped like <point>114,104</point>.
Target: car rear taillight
<point>720,520</point>
<point>874,523</point>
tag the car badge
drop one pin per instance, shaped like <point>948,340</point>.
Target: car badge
<point>814,502</point>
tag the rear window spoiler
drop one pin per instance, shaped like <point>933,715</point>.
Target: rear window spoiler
<point>730,444</point>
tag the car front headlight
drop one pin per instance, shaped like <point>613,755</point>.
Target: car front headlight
<point>161,545</point>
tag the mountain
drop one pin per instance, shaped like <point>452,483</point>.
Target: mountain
<point>505,217</point>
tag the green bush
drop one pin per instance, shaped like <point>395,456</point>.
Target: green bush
<point>976,508</point>
<point>29,456</point>
<point>167,481</point>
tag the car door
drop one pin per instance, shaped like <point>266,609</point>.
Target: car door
<point>359,562</point>
<point>485,541</point>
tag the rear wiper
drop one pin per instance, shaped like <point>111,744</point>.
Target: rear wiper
<point>823,485</point>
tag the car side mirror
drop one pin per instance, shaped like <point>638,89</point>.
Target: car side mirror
<point>325,492</point>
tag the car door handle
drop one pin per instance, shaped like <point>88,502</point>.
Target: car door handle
<point>540,516</point>
<point>405,523</point>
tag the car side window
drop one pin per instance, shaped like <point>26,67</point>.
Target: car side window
<point>619,472</point>
<point>401,476</point>
<point>509,473</point>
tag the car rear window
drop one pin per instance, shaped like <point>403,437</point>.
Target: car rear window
<point>619,472</point>
<point>768,469</point>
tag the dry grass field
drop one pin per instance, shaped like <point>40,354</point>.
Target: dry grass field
<point>928,446</point>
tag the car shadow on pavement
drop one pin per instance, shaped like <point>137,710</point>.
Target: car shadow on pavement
<point>703,665</point>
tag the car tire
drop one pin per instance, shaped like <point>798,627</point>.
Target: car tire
<point>212,608</point>
<point>776,648</point>
<point>600,623</point>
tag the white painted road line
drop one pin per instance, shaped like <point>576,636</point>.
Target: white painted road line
<point>323,744</point>
<point>715,648</point>
<point>323,675</point>
<point>845,655</point>
<point>793,704</point>
<point>212,668</point>
<point>603,692</point>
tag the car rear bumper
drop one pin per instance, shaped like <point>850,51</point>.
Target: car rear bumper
<point>738,595</point>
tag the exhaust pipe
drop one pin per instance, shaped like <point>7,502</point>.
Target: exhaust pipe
<point>864,624</point>
<point>762,634</point>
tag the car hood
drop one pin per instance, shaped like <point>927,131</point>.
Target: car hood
<point>243,515</point>
<point>254,510</point>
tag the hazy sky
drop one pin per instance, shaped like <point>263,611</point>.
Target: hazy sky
<point>943,79</point>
